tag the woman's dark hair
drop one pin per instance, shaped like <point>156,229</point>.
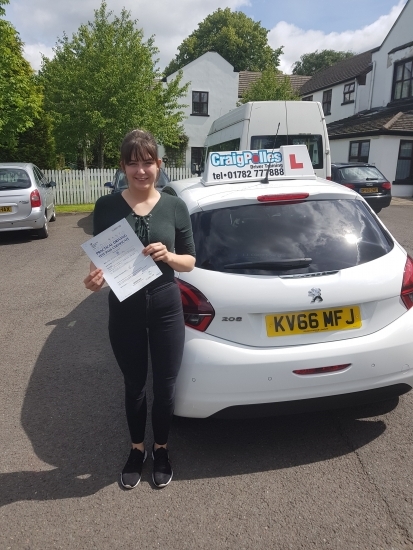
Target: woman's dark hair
<point>138,145</point>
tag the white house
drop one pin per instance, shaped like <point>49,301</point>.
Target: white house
<point>212,92</point>
<point>368,105</point>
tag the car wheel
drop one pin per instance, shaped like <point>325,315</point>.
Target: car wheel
<point>53,218</point>
<point>43,233</point>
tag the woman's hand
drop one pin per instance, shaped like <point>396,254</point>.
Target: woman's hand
<point>158,252</point>
<point>95,280</point>
<point>178,262</point>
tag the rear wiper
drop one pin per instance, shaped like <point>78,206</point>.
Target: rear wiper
<point>371,179</point>
<point>289,263</point>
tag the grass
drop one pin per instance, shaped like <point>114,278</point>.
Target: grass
<point>74,208</point>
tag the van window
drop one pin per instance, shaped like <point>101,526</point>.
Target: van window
<point>231,145</point>
<point>314,236</point>
<point>313,142</point>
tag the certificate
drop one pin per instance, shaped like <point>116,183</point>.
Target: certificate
<point>117,251</point>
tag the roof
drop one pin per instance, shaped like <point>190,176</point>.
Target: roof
<point>246,78</point>
<point>342,71</point>
<point>394,119</point>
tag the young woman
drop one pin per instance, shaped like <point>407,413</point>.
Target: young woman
<point>154,313</point>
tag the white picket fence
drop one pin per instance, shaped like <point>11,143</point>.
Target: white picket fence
<point>86,186</point>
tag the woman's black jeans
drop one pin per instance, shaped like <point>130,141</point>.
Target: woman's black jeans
<point>153,316</point>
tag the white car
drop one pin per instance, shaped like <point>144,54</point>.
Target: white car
<point>26,199</point>
<point>300,299</point>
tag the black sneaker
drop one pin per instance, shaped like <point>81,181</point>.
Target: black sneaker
<point>162,470</point>
<point>131,473</point>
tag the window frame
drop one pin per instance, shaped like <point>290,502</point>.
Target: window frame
<point>307,98</point>
<point>350,91</point>
<point>409,179</point>
<point>200,103</point>
<point>402,63</point>
<point>197,154</point>
<point>327,98</point>
<point>359,158</point>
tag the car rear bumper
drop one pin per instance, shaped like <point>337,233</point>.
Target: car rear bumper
<point>217,374</point>
<point>35,220</point>
<point>379,201</point>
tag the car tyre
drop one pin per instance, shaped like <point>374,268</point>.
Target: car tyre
<point>53,218</point>
<point>43,233</point>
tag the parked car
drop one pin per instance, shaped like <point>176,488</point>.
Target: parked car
<point>26,198</point>
<point>300,299</point>
<point>120,183</point>
<point>365,179</point>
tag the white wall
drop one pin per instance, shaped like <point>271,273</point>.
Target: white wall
<point>401,33</point>
<point>208,73</point>
<point>339,111</point>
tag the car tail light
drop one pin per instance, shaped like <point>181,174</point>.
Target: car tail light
<point>322,370</point>
<point>198,312</point>
<point>407,285</point>
<point>349,185</point>
<point>328,178</point>
<point>35,199</point>
<point>386,185</point>
<point>284,197</point>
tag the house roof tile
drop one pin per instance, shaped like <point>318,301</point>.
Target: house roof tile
<point>339,72</point>
<point>246,78</point>
<point>388,120</point>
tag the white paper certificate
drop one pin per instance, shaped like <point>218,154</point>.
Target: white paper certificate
<point>118,252</point>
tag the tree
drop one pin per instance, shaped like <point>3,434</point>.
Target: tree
<point>36,144</point>
<point>271,86</point>
<point>20,98</point>
<point>236,37</point>
<point>103,82</point>
<point>310,63</point>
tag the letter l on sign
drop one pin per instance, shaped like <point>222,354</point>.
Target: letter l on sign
<point>294,164</point>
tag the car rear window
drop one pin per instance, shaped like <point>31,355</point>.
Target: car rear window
<point>14,178</point>
<point>288,239</point>
<point>356,174</point>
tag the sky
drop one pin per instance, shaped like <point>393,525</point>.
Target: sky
<point>300,26</point>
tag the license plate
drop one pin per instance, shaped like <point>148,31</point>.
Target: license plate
<point>6,209</point>
<point>366,190</point>
<point>316,320</point>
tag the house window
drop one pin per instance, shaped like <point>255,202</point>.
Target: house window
<point>200,103</point>
<point>308,98</point>
<point>327,102</point>
<point>403,79</point>
<point>196,157</point>
<point>359,151</point>
<point>348,94</point>
<point>404,170</point>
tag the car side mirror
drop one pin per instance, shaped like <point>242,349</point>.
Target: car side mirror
<point>108,184</point>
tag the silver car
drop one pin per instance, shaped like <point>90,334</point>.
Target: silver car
<point>26,198</point>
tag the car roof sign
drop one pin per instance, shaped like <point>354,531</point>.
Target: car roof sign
<point>287,162</point>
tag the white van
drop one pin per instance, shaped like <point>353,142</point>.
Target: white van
<point>254,126</point>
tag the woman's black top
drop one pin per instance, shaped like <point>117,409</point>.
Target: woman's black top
<point>168,222</point>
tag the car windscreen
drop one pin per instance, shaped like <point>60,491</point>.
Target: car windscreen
<point>287,239</point>
<point>313,142</point>
<point>14,178</point>
<point>354,174</point>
